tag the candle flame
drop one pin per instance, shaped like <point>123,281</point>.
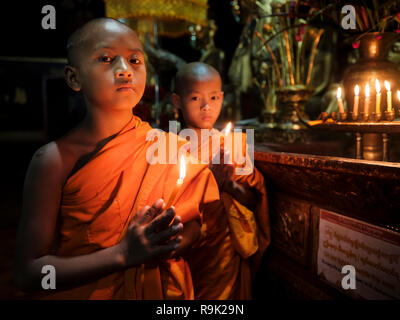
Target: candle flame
<point>227,128</point>
<point>182,169</point>
<point>339,93</point>
<point>367,90</point>
<point>387,85</point>
<point>398,95</point>
<point>356,90</point>
<point>377,86</point>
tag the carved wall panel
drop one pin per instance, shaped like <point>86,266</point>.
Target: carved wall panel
<point>290,219</point>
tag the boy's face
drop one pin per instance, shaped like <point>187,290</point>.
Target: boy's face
<point>111,70</point>
<point>201,102</point>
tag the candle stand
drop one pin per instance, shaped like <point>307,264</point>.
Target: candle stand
<point>372,137</point>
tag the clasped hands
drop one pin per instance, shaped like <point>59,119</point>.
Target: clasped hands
<point>152,233</point>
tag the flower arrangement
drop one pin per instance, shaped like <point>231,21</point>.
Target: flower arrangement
<point>291,40</point>
<point>377,16</point>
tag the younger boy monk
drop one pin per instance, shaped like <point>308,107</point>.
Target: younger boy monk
<point>235,229</point>
<point>93,205</point>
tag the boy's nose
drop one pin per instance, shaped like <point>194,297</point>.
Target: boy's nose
<point>122,70</point>
<point>205,107</point>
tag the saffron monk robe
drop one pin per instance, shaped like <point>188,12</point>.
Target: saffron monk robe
<point>235,230</point>
<point>87,196</point>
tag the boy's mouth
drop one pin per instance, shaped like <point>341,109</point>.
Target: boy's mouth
<point>125,87</point>
<point>206,118</point>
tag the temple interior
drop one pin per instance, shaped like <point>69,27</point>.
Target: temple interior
<point>314,84</point>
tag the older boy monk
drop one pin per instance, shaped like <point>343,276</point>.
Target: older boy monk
<point>87,195</point>
<point>235,230</point>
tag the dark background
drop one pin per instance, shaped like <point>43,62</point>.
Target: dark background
<point>22,34</point>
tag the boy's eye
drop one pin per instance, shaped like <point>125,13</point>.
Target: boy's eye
<point>195,98</point>
<point>105,59</point>
<point>214,98</point>
<point>134,61</point>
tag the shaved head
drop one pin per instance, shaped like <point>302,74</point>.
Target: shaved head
<point>194,71</point>
<point>85,34</point>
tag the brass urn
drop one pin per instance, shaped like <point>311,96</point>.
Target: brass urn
<point>372,65</point>
<point>291,102</point>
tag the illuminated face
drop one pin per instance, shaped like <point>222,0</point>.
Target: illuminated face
<point>201,102</point>
<point>111,70</point>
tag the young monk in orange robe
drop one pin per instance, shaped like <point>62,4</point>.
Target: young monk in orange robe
<point>235,230</point>
<point>87,196</point>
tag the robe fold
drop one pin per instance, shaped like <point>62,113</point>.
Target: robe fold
<point>225,259</point>
<point>95,209</point>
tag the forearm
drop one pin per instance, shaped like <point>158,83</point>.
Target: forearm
<point>71,271</point>
<point>243,194</point>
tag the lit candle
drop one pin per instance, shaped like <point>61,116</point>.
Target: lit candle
<point>356,99</point>
<point>378,96</point>
<point>226,132</point>
<point>389,96</point>
<point>227,129</point>
<point>339,99</point>
<point>179,182</point>
<point>366,103</point>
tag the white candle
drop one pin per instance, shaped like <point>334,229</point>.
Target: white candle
<point>179,182</point>
<point>366,102</point>
<point>378,96</point>
<point>339,99</point>
<point>356,99</point>
<point>398,95</point>
<point>388,96</point>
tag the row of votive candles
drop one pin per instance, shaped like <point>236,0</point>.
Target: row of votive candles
<point>367,98</point>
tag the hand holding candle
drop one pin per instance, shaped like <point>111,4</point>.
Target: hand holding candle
<point>339,100</point>
<point>356,101</point>
<point>179,182</point>
<point>389,96</point>
<point>378,96</point>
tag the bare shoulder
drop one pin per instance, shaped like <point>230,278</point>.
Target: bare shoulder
<point>46,161</point>
<point>49,153</point>
<point>64,156</point>
<point>57,158</point>
<point>47,156</point>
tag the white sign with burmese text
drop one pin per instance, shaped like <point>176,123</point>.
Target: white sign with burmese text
<point>373,251</point>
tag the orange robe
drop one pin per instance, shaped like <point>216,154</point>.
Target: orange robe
<point>224,261</point>
<point>96,204</point>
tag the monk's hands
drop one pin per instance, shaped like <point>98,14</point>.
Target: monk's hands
<point>223,171</point>
<point>151,234</point>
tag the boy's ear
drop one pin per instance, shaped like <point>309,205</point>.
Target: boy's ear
<point>176,100</point>
<point>71,77</point>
